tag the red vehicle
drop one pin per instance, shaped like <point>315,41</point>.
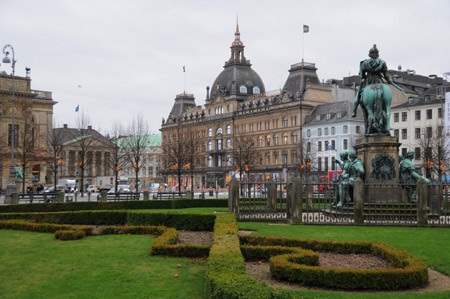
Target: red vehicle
<point>326,180</point>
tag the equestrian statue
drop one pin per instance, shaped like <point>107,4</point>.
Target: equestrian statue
<point>374,95</point>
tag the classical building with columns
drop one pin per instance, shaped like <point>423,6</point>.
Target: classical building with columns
<point>33,112</point>
<point>237,106</point>
<point>98,153</point>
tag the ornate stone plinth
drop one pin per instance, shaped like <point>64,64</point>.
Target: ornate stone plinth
<point>381,164</point>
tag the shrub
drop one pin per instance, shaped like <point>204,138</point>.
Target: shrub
<point>76,217</point>
<point>133,230</point>
<point>185,221</point>
<point>115,205</point>
<point>166,245</point>
<point>67,235</point>
<point>40,227</point>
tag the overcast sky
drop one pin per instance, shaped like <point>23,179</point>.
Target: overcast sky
<point>128,56</point>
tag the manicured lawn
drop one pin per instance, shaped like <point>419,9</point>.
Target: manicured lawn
<point>35,265</point>
<point>430,244</point>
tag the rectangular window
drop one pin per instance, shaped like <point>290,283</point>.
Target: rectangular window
<point>150,171</point>
<point>285,122</point>
<point>404,151</point>
<point>417,114</point>
<point>333,163</point>
<point>345,129</point>
<point>294,138</point>
<point>308,147</point>
<point>16,135</point>
<point>319,164</point>
<point>429,113</point>
<point>319,132</point>
<point>345,145</point>
<point>333,144</point>
<point>396,133</point>
<point>326,164</point>
<point>396,115</point>
<point>326,132</point>
<point>333,130</point>
<point>404,133</point>
<point>308,133</point>
<point>417,133</point>
<point>417,153</point>
<point>404,116</point>
<point>326,146</point>
<point>358,129</point>
<point>429,132</point>
<point>439,112</point>
<point>319,146</point>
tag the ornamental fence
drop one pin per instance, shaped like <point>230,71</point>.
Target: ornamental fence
<point>366,204</point>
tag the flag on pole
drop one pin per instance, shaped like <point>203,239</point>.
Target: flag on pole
<point>305,28</point>
<point>78,108</point>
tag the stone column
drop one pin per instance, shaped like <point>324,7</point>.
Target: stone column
<point>296,202</point>
<point>61,197</point>
<point>358,201</point>
<point>422,200</point>
<point>271,195</point>
<point>15,198</point>
<point>146,195</point>
<point>233,197</point>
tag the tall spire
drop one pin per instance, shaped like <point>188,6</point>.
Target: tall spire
<point>237,47</point>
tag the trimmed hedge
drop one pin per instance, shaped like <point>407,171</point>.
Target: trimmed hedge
<point>115,205</point>
<point>184,221</point>
<point>133,230</point>
<point>67,235</point>
<point>410,271</point>
<point>76,217</point>
<point>226,276</point>
<point>41,227</point>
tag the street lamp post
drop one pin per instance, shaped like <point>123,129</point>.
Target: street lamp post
<point>11,187</point>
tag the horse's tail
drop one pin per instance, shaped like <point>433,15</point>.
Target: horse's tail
<point>378,104</point>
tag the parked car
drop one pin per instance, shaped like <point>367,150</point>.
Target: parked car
<point>51,189</point>
<point>92,188</point>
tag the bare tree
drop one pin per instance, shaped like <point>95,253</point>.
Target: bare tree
<point>244,154</point>
<point>55,146</point>
<point>176,154</point>
<point>192,154</point>
<point>305,159</point>
<point>117,158</point>
<point>26,151</point>
<point>435,146</point>
<point>85,144</point>
<point>135,144</point>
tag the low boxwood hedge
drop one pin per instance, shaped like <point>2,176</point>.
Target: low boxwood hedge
<point>115,205</point>
<point>41,227</point>
<point>226,276</point>
<point>409,271</point>
<point>166,245</point>
<point>184,221</point>
<point>67,235</point>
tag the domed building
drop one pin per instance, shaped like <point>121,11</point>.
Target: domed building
<point>238,78</point>
<point>242,130</point>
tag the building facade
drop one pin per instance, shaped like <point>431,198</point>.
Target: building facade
<point>33,113</point>
<point>238,110</point>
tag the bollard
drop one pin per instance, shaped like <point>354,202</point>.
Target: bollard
<point>14,198</point>
<point>103,195</point>
<point>422,199</point>
<point>296,203</point>
<point>89,196</point>
<point>76,195</point>
<point>61,197</point>
<point>358,201</point>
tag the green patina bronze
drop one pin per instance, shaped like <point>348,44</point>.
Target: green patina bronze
<point>409,176</point>
<point>352,168</point>
<point>383,167</point>
<point>374,95</point>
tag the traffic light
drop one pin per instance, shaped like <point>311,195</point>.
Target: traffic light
<point>78,173</point>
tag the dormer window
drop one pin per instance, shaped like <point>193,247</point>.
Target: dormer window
<point>339,114</point>
<point>243,89</point>
<point>256,90</point>
<point>328,115</point>
<point>318,117</point>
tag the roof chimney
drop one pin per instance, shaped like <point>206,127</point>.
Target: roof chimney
<point>65,126</point>
<point>89,128</point>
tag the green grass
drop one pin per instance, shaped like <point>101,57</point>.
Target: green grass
<point>430,244</point>
<point>35,265</point>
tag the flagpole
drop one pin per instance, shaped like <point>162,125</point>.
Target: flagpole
<point>184,79</point>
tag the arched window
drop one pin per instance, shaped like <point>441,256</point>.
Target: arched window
<point>276,139</point>
<point>210,132</point>
<point>256,90</point>
<point>219,131</point>
<point>243,89</point>
<point>219,144</point>
<point>210,146</point>
<point>268,140</point>
<point>228,129</point>
<point>228,143</point>
<point>285,138</point>
<point>285,157</point>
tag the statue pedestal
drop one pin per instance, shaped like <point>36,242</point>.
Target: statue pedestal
<point>381,164</point>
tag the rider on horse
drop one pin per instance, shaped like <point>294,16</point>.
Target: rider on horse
<point>371,71</point>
